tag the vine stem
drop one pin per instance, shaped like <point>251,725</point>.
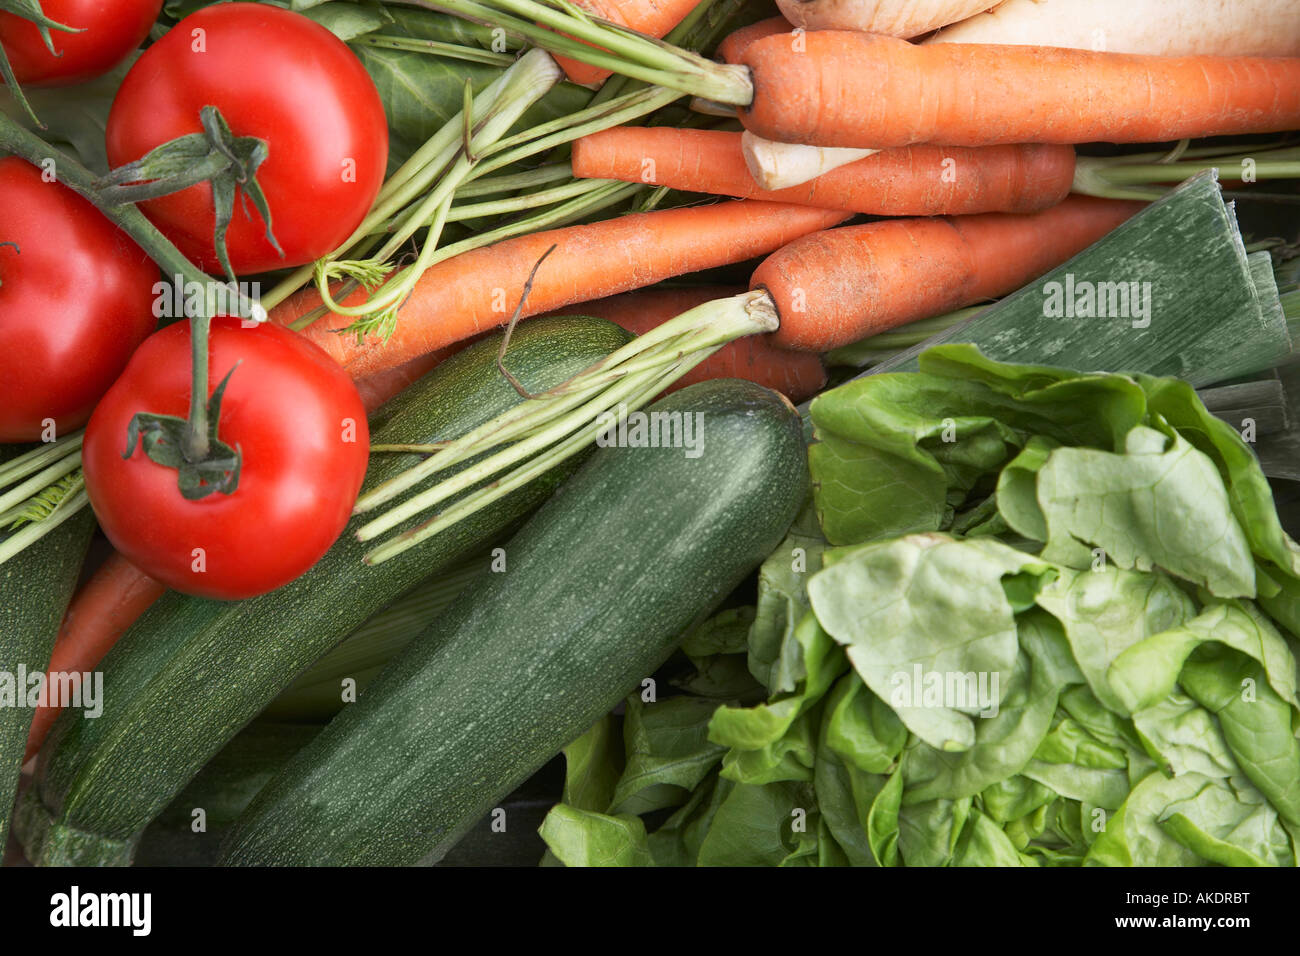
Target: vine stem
<point>27,145</point>
<point>20,142</point>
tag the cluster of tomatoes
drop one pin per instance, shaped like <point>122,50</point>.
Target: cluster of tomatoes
<point>79,300</point>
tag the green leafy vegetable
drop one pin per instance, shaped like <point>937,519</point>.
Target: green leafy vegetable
<point>1057,631</point>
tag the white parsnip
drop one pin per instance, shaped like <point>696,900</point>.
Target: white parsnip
<point>899,18</point>
<point>1157,27</point>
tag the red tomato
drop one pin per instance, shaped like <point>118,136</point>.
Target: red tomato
<point>76,298</point>
<point>276,75</point>
<point>110,30</point>
<point>299,422</point>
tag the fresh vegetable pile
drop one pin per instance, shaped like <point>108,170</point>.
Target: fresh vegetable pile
<point>966,330</point>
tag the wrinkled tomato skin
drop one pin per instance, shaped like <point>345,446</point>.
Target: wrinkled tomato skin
<point>110,29</point>
<point>277,76</point>
<point>300,425</point>
<point>76,298</point>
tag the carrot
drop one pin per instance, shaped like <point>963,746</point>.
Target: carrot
<point>1187,28</point>
<point>837,286</point>
<point>651,17</point>
<point>916,181</point>
<point>860,89</point>
<point>100,612</point>
<point>734,45</point>
<point>798,375</point>
<point>478,290</point>
<point>897,18</point>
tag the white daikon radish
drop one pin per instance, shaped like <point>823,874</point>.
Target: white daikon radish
<point>899,18</point>
<point>1159,27</point>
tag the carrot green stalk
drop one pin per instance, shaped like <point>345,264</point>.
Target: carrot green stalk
<point>39,490</point>
<point>100,612</point>
<point>564,30</point>
<point>558,424</point>
<point>866,90</point>
<point>797,375</point>
<point>1134,177</point>
<point>526,82</point>
<point>916,181</point>
<point>404,197</point>
<point>473,292</point>
<point>840,285</point>
<point>651,17</point>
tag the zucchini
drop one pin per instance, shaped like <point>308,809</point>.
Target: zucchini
<point>35,587</point>
<point>192,672</point>
<point>631,553</point>
<point>230,781</point>
<point>317,694</point>
<point>222,790</point>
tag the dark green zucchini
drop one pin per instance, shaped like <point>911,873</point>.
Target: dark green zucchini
<point>230,781</point>
<point>192,672</point>
<point>35,587</point>
<point>633,551</point>
<point>222,790</point>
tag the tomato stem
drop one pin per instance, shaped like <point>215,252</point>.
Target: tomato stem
<point>196,435</point>
<point>27,145</point>
<point>31,11</point>
<point>217,156</point>
<point>199,431</point>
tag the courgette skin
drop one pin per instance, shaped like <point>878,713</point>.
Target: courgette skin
<point>192,672</point>
<point>230,781</point>
<point>223,789</point>
<point>35,587</point>
<point>634,550</point>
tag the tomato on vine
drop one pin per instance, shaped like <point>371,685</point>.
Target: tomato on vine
<point>269,75</point>
<point>106,31</point>
<point>293,431</point>
<point>76,298</point>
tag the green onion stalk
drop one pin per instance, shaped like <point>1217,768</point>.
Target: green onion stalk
<point>43,488</point>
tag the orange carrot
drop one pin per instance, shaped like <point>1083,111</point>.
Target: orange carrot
<point>100,612</point>
<point>867,90</point>
<point>916,181</point>
<point>798,375</point>
<point>734,45</point>
<point>837,286</point>
<point>651,17</point>
<point>478,290</point>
